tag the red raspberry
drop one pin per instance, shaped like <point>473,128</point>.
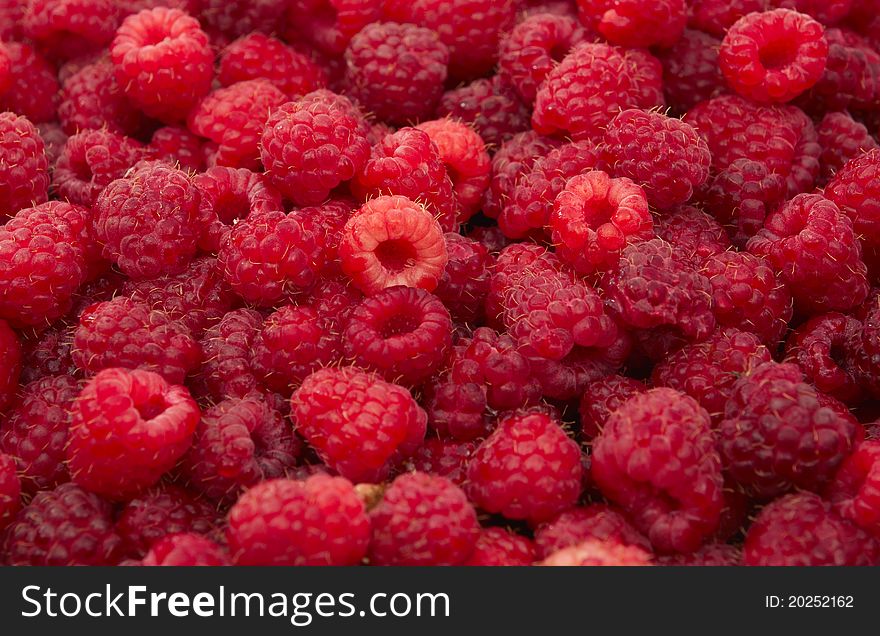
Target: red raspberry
<point>802,529</point>
<point>10,491</point>
<point>171,41</point>
<point>24,177</point>
<point>396,71</point>
<point>854,189</point>
<point>465,280</point>
<point>185,549</point>
<point>422,520</point>
<point>528,468</point>
<point>534,46</point>
<point>402,333</point>
<point>226,370</point>
<point>656,458</point>
<point>707,371</point>
<point>148,221</point>
<point>599,553</point>
<point>329,25</point>
<point>712,555</point>
<point>773,56</point>
<point>690,71</point>
<point>867,350</point>
<point>65,526</point>
<point>663,153</point>
<point>489,236</point>
<point>855,490</point>
<point>749,295</point>
<point>238,444</point>
<point>42,263</point>
<point>528,208</point>
<point>852,75</point>
<point>47,354</point>
<point>692,232</point>
<point>597,522</point>
<point>230,19</point>
<point>717,16</point>
<point>842,139</point>
<point>157,514</point>
<point>12,12</point>
<point>444,458</point>
<point>178,145</point>
<point>292,343</point>
<point>357,422</point>
<point>271,256</point>
<point>258,56</point>
<point>635,23</point>
<point>91,98</point>
<point>489,106</point>
<point>595,217</point>
<point>813,246</point>
<point>10,353</point>
<point>53,139</point>
<point>198,297</point>
<point>825,11</point>
<point>822,348</point>
<point>500,547</point>
<point>89,161</point>
<point>311,146</point>
<point>591,84</point>
<point>230,195</point>
<point>35,433</point>
<point>513,262</point>
<point>601,398</point>
<point>33,90</point>
<point>392,241</point>
<point>232,118</point>
<point>70,28</point>
<point>317,521</point>
<point>779,433</point>
<point>128,428</point>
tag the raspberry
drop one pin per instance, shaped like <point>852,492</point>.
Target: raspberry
<point>500,547</point>
<point>317,521</point>
<point>601,398</point>
<point>635,23</point>
<point>802,529</point>
<point>773,56</point>
<point>185,549</point>
<point>10,371</point>
<point>855,490</point>
<point>778,433</point>
<point>707,371</point>
<point>258,56</point>
<point>24,177</point>
<point>127,429</point>
<point>357,422</point>
<point>47,353</point>
<point>821,347</point>
<point>717,16</point>
<point>692,232</point>
<point>855,191</point>
<point>311,146</point>
<point>534,46</point>
<point>591,84</point>
<point>663,153</point>
<point>396,71</point>
<point>529,206</point>
<point>842,139</point>
<point>64,526</point>
<point>749,295</point>
<point>422,520</point>
<point>491,237</point>
<point>528,468</point>
<point>465,280</point>
<point>444,458</point>
<point>712,555</point>
<point>825,11</point>
<point>690,71</point>
<point>42,263</point>
<point>92,99</point>
<point>53,139</point>
<point>595,217</point>
<point>867,349</point>
<point>178,145</point>
<point>168,40</point>
<point>238,444</point>
<point>89,161</point>
<point>226,351</point>
<point>271,256</point>
<point>329,25</point>
<point>33,90</point>
<point>35,433</point>
<point>292,343</point>
<point>852,75</point>
<point>230,195</point>
<point>599,553</point>
<point>232,118</point>
<point>392,241</point>
<point>489,106</point>
<point>238,17</point>
<point>656,458</point>
<point>157,514</point>
<point>813,246</point>
<point>10,491</point>
<point>70,28</point>
<point>402,333</point>
<point>595,522</point>
<point>12,12</point>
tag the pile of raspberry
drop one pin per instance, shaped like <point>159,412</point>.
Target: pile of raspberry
<point>439,282</point>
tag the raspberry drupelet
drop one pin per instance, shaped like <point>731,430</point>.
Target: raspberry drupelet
<point>635,23</point>
<point>185,549</point>
<point>855,491</point>
<point>576,525</point>
<point>498,547</point>
<point>258,56</point>
<point>24,169</point>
